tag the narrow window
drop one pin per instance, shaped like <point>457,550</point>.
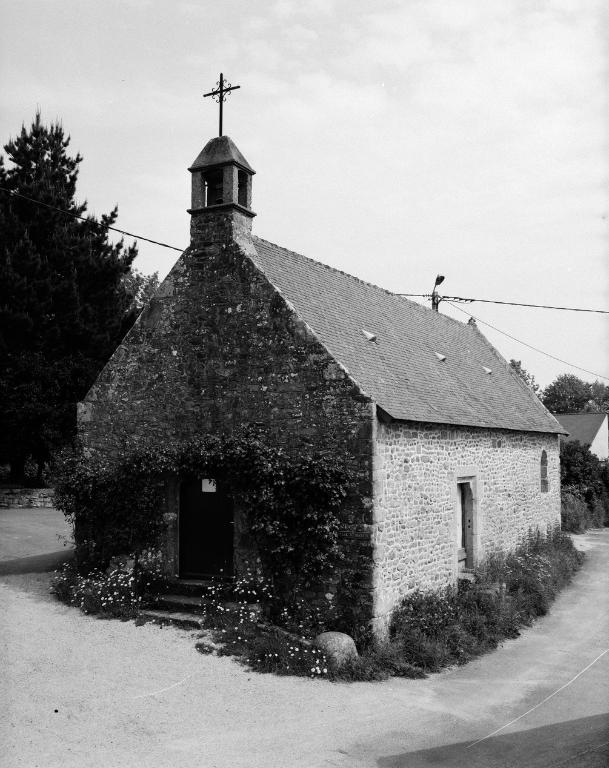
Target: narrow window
<point>543,471</point>
<point>465,525</point>
<point>242,188</point>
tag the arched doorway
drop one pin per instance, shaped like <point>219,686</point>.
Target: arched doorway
<point>206,529</point>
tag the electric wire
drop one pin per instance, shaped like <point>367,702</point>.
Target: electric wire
<point>84,218</point>
<point>530,346</point>
<point>521,304</point>
<point>418,295</point>
<point>543,701</point>
<point>508,303</point>
<point>175,248</point>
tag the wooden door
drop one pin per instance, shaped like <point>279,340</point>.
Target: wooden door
<point>206,528</point>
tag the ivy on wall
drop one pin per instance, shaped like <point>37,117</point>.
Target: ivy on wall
<point>291,504</point>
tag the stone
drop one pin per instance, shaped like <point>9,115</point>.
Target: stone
<point>121,563</point>
<point>338,647</point>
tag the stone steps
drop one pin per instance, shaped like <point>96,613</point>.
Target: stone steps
<point>198,587</point>
<point>180,619</point>
<point>187,603</point>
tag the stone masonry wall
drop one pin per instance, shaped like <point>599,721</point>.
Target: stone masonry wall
<point>17,498</point>
<point>217,349</point>
<point>416,468</point>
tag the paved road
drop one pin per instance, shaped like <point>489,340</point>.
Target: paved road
<point>79,692</point>
<point>33,540</point>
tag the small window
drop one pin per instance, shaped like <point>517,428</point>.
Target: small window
<point>543,470</point>
<point>208,486</point>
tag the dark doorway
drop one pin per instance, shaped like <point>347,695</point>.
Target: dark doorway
<point>206,529</point>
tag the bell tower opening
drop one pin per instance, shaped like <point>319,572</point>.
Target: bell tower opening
<point>213,188</point>
<point>242,188</point>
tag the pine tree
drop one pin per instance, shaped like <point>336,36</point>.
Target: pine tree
<point>66,295</point>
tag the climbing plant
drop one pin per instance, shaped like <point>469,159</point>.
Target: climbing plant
<point>291,503</point>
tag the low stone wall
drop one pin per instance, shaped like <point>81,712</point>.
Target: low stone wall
<point>17,498</point>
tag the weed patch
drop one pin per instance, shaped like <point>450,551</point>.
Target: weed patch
<point>436,629</point>
<point>117,592</point>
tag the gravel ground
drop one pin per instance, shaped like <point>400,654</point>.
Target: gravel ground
<point>84,692</point>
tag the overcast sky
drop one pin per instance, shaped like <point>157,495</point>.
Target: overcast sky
<point>392,140</point>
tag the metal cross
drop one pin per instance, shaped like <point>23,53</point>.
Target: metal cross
<point>219,94</point>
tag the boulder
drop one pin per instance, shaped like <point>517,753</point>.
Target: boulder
<point>337,647</point>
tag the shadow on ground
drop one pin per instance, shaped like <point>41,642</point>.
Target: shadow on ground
<point>36,563</point>
<point>582,743</point>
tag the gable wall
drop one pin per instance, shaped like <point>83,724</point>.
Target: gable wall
<point>600,445</point>
<point>217,349</point>
<point>415,492</point>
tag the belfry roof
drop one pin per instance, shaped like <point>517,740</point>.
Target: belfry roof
<point>219,151</point>
<point>414,363</point>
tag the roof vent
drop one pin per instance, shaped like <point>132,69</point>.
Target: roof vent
<point>440,357</point>
<point>487,370</point>
<point>369,336</point>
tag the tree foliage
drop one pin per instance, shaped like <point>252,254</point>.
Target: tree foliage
<point>570,394</point>
<point>580,467</point>
<point>528,378</point>
<point>67,295</point>
<point>585,478</point>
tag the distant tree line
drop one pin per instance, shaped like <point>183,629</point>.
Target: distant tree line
<point>67,296</point>
<point>568,393</point>
<point>584,478</point>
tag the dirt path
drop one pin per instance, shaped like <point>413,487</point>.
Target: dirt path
<point>82,692</point>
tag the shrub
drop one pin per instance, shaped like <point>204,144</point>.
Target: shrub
<point>583,476</point>
<point>278,654</point>
<point>598,513</point>
<point>117,592</point>
<point>435,629</point>
<point>112,593</point>
<point>114,508</point>
<point>574,513</point>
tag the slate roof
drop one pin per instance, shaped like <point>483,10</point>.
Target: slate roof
<point>581,426</point>
<point>401,371</point>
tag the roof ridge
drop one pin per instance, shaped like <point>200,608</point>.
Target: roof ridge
<point>400,296</point>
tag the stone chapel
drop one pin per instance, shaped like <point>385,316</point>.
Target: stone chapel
<point>457,456</point>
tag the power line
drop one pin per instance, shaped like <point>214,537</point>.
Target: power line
<point>530,346</point>
<point>417,295</point>
<point>84,218</point>
<point>520,304</point>
<point>509,303</point>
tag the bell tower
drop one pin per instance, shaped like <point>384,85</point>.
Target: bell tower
<point>221,207</point>
<point>221,186</point>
